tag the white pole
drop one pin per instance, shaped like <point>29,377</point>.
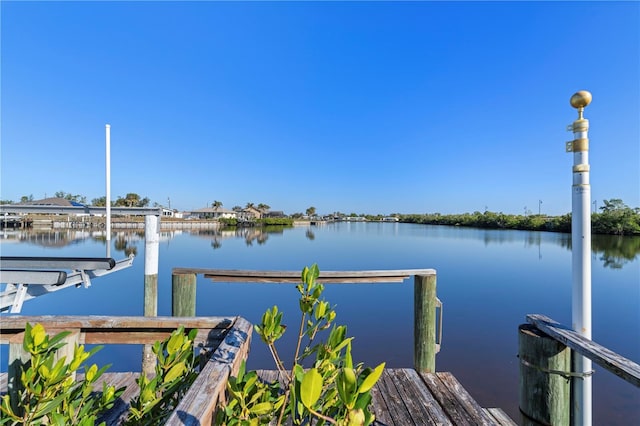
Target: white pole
<point>581,258</point>
<point>108,189</point>
<point>151,257</point>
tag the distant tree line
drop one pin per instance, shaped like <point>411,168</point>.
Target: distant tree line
<point>615,218</point>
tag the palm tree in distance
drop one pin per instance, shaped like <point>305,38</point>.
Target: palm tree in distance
<point>263,207</point>
<point>249,206</point>
<point>216,204</point>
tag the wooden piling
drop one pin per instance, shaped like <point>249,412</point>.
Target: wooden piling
<point>151,254</point>
<point>544,392</point>
<point>183,295</point>
<point>424,327</point>
<point>151,249</point>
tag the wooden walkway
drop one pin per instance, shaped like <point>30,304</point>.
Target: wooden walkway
<point>402,397</point>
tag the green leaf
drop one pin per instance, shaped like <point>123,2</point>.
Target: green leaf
<point>38,334</point>
<point>51,405</point>
<point>175,372</point>
<point>346,385</point>
<point>314,272</point>
<point>57,419</point>
<point>91,372</point>
<point>371,379</point>
<point>58,337</point>
<point>348,360</point>
<point>175,342</point>
<point>311,387</point>
<point>261,408</point>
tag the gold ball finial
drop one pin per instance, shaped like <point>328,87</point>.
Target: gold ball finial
<point>580,99</point>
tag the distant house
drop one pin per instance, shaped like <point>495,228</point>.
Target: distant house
<point>250,213</point>
<point>213,213</point>
<point>53,201</point>
<point>274,214</point>
<point>56,202</point>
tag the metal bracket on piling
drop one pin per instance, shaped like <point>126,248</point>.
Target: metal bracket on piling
<point>439,341</point>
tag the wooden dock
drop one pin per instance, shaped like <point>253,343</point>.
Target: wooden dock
<point>402,397</point>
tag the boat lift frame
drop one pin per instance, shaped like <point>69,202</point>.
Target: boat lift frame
<point>29,277</point>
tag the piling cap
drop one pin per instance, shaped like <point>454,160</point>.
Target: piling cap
<point>580,99</point>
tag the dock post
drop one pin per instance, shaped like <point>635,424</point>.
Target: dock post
<point>424,327</point>
<point>183,295</point>
<point>544,385</point>
<point>151,254</point>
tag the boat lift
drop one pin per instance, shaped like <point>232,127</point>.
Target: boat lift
<point>29,277</point>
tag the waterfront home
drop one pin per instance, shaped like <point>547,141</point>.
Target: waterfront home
<point>213,213</point>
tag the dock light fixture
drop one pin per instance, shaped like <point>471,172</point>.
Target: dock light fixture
<point>581,258</point>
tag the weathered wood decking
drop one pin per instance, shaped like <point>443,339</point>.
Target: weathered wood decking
<point>402,397</point>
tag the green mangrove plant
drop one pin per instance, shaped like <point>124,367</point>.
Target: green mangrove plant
<point>175,371</point>
<point>331,391</point>
<point>48,392</point>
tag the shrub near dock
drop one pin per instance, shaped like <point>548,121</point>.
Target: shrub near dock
<point>332,391</point>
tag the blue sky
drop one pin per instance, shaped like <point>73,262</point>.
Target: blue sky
<point>366,107</point>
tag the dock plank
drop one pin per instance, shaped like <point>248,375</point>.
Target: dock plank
<point>500,417</point>
<point>447,399</point>
<point>380,408</point>
<point>605,358</point>
<point>420,404</point>
<point>398,412</point>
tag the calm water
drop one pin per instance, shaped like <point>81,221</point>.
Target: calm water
<point>488,281</point>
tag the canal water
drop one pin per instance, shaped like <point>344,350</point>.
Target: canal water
<point>488,281</point>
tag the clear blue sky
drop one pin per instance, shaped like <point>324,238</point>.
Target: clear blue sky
<point>366,107</point>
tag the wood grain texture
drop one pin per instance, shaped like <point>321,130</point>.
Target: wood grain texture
<point>234,275</point>
<point>198,406</point>
<point>605,358</point>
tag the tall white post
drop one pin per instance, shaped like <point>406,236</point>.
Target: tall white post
<point>151,257</point>
<point>581,258</point>
<point>108,189</point>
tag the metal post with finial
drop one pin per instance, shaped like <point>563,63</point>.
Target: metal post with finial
<point>581,258</point>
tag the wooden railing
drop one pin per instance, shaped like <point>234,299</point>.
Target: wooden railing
<point>545,368</point>
<point>225,342</point>
<point>427,325</point>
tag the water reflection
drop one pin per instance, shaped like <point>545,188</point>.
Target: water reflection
<point>124,244</point>
<point>613,251</point>
<point>259,235</point>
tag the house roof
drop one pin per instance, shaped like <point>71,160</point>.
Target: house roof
<point>212,210</point>
<point>53,201</point>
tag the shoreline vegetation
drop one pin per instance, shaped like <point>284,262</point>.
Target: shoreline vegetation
<point>607,223</point>
<point>614,218</point>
